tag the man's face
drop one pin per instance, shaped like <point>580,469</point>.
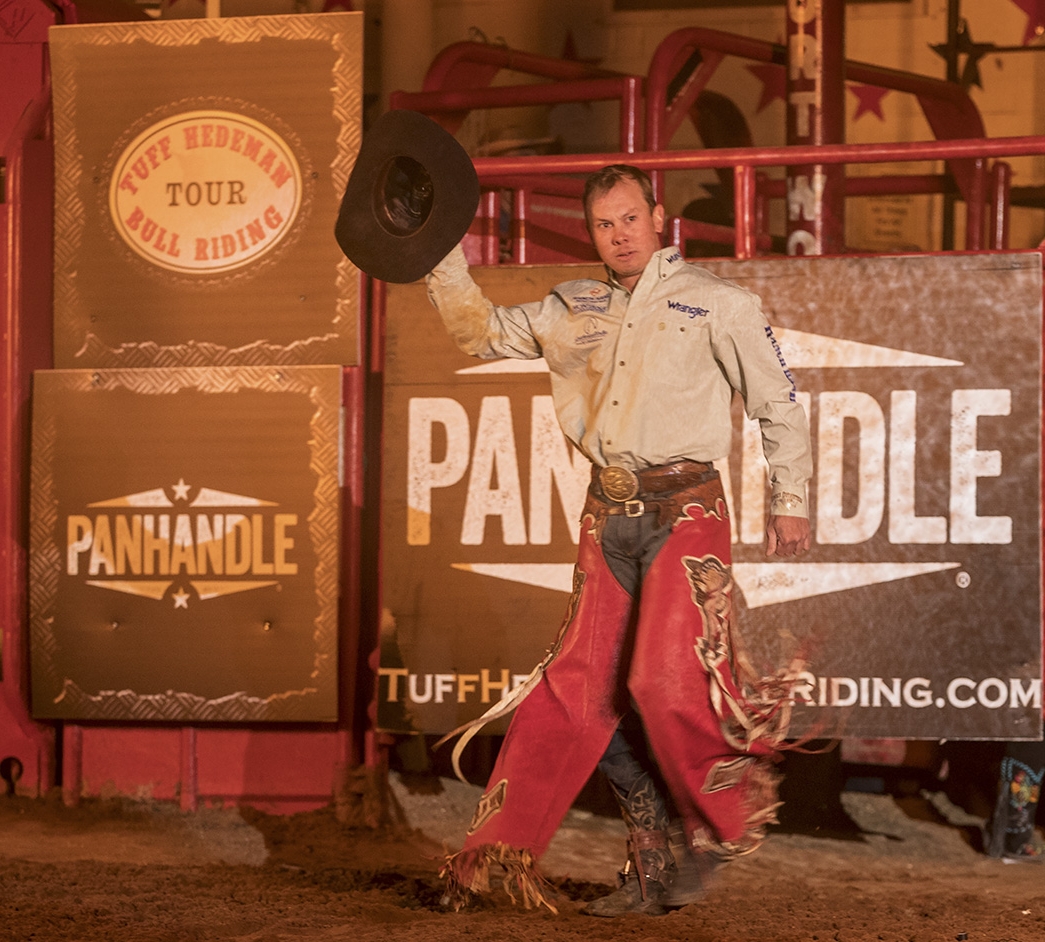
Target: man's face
<point>625,231</point>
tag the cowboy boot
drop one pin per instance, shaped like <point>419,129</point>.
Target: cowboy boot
<point>642,883</point>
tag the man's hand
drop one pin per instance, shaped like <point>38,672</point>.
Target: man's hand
<point>787,536</point>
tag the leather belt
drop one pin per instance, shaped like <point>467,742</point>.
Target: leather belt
<point>634,493</point>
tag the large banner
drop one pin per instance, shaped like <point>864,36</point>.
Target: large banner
<point>918,610</point>
<point>199,166</point>
<point>184,556</point>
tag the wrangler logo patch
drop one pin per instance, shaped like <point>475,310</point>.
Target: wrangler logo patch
<point>689,309</point>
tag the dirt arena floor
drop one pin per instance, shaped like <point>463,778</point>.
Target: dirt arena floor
<point>114,870</point>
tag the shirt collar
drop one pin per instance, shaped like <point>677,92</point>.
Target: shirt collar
<point>665,261</point>
<point>668,260</point>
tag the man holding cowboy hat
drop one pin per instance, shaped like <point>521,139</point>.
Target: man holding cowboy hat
<point>644,366</point>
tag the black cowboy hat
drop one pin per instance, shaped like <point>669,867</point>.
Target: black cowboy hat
<point>410,198</point>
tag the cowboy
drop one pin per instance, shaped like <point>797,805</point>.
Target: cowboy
<point>644,366</point>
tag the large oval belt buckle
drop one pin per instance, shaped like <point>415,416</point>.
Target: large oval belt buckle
<point>618,484</point>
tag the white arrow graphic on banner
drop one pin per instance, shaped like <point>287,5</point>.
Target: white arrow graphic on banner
<point>762,583</point>
<point>801,350</point>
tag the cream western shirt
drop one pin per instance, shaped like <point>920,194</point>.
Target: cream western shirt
<point>646,377</point>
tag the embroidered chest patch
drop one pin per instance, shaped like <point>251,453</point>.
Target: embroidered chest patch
<point>593,301</point>
<point>591,333</point>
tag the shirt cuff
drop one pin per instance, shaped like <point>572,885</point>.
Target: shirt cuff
<point>785,502</point>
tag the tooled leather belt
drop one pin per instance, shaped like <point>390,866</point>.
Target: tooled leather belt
<point>634,493</point>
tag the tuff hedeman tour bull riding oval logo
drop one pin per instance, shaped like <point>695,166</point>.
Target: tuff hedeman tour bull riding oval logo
<point>205,192</point>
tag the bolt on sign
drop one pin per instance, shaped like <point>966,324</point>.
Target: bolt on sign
<point>184,550</point>
<point>199,166</point>
<point>917,613</point>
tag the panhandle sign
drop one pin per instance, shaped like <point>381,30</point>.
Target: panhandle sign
<point>917,613</point>
<point>199,166</point>
<point>185,546</point>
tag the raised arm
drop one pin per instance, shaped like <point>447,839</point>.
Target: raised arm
<point>479,327</point>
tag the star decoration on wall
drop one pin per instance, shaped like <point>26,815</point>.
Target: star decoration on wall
<point>869,100</point>
<point>1035,10</point>
<point>964,46</point>
<point>774,83</point>
<point>774,88</point>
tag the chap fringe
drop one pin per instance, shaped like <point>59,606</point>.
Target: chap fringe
<point>467,873</point>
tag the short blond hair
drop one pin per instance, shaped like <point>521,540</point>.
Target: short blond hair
<point>604,180</point>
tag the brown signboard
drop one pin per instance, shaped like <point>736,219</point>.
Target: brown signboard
<point>918,610</point>
<point>199,165</point>
<point>184,544</point>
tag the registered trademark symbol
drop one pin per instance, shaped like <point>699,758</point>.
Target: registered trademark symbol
<point>963,580</point>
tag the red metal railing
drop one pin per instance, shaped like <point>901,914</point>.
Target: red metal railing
<point>626,89</point>
<point>688,58</point>
<point>947,107</point>
<point>457,81</point>
<point>745,161</point>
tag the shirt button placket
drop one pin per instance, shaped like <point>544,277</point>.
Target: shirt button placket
<point>624,339</point>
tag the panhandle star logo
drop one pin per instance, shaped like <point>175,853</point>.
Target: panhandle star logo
<point>148,543</point>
